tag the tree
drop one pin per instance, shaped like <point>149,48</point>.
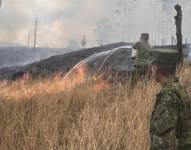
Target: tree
<point>1,3</point>
<point>178,22</point>
<point>35,32</point>
<point>83,41</point>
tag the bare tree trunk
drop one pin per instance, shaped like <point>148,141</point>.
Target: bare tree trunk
<point>178,22</point>
<point>35,33</point>
<point>1,3</point>
<point>83,42</point>
<point>28,40</point>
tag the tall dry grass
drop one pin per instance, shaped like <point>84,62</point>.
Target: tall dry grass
<point>44,115</point>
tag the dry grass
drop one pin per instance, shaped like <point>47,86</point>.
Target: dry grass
<point>45,115</point>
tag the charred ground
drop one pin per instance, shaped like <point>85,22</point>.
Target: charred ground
<point>63,63</point>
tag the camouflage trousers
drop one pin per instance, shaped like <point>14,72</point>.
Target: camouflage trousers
<point>141,72</point>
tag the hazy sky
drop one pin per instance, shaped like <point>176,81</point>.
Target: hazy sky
<point>60,21</point>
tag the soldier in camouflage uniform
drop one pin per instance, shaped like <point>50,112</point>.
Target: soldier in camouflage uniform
<point>141,50</point>
<point>170,125</point>
<point>141,56</point>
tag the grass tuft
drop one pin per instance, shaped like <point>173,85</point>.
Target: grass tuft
<point>46,115</point>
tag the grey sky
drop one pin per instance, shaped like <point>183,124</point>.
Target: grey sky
<point>63,20</point>
<point>59,20</point>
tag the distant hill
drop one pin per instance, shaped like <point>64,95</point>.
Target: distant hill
<point>10,44</point>
<point>59,63</point>
<point>20,55</point>
<point>62,63</point>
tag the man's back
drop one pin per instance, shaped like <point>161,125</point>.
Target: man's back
<point>171,118</point>
<point>143,52</point>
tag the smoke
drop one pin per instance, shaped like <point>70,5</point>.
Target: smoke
<point>153,16</point>
<point>58,21</point>
<point>61,21</point>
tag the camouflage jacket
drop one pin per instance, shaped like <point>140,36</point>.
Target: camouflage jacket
<point>144,52</point>
<point>170,125</point>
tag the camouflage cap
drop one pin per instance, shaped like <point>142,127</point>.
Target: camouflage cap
<point>165,57</point>
<point>145,36</point>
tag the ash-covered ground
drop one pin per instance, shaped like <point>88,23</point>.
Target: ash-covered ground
<point>112,57</point>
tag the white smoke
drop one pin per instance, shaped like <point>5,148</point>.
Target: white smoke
<point>61,21</point>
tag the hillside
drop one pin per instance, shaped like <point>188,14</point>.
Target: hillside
<point>21,55</point>
<point>114,56</point>
<point>59,63</point>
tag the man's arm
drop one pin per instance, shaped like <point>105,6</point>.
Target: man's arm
<point>136,46</point>
<point>135,49</point>
<point>164,123</point>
